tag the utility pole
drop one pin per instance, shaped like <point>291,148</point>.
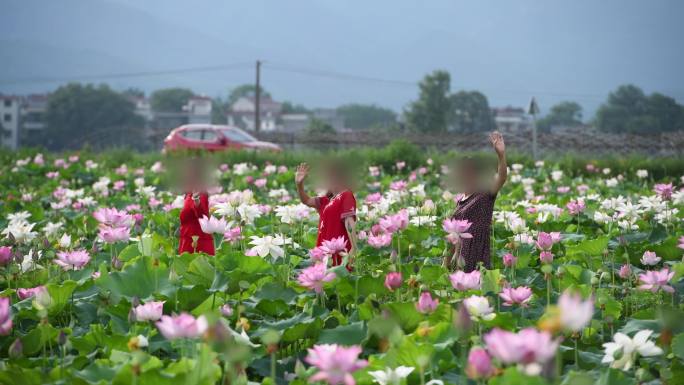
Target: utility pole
<point>533,109</point>
<point>257,98</point>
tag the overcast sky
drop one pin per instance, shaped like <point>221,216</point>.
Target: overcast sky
<point>510,50</point>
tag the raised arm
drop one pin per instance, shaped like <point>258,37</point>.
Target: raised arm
<point>350,226</point>
<point>502,172</point>
<point>300,176</point>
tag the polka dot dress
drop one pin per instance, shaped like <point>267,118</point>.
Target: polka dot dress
<point>478,208</point>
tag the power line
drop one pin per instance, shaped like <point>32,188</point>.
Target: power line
<point>336,75</point>
<point>231,66</point>
<point>293,69</point>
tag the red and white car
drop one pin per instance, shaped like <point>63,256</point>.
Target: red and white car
<point>210,137</point>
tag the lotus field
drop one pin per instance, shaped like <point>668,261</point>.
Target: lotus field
<point>586,284</point>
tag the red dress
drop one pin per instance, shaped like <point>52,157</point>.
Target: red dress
<point>332,213</point>
<point>190,226</point>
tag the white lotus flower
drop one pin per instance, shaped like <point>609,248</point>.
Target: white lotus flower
<point>478,308</point>
<point>18,217</point>
<point>22,231</point>
<point>391,376</point>
<point>623,351</point>
<point>225,209</point>
<point>65,241</point>
<point>268,245</point>
<point>423,220</point>
<point>142,341</point>
<point>51,229</point>
<point>248,213</point>
<point>602,218</point>
<point>28,263</point>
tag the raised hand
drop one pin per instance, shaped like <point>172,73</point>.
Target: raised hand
<point>497,142</point>
<point>301,173</point>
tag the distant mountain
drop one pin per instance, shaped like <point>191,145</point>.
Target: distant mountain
<point>511,50</point>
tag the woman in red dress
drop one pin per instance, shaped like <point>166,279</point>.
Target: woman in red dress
<point>192,238</point>
<point>336,209</point>
<point>195,206</point>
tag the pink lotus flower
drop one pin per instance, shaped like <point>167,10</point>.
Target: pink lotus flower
<point>681,243</point>
<point>393,280</point>
<point>380,240</point>
<point>399,185</point>
<point>518,296</point>
<point>151,311</point>
<point>72,260</point>
<point>182,326</point>
<point>114,234</point>
<point>373,198</point>
<point>335,363</point>
<point>529,347</point>
<point>5,316</point>
<point>509,260</point>
<point>650,258</point>
<point>233,235</point>
<point>400,165</point>
<point>656,280</point>
<point>426,304</point>
<point>261,182</point>
<point>319,254</point>
<point>335,245</point>
<point>575,207</point>
<point>213,225</point>
<point>112,217</point>
<point>5,255</point>
<point>546,257</point>
<point>374,171</point>
<point>575,312</point>
<point>664,190</point>
<point>396,222</point>
<point>625,271</point>
<point>479,364</point>
<point>30,292</point>
<point>545,241</point>
<point>226,310</point>
<point>465,281</point>
<point>456,229</point>
<point>313,277</point>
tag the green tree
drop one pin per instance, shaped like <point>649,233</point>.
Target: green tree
<point>87,114</point>
<point>245,90</point>
<point>665,112</point>
<point>564,114</point>
<point>628,109</point>
<point>292,108</point>
<point>319,127</point>
<point>470,112</point>
<point>218,111</point>
<point>361,116</point>
<point>170,99</point>
<point>133,91</point>
<point>430,113</point>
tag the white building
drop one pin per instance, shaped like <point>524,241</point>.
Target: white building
<point>511,119</point>
<point>10,107</point>
<point>241,113</point>
<point>198,109</point>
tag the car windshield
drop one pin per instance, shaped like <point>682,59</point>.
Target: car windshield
<point>237,135</point>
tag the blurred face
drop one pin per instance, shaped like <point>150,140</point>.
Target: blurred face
<point>333,177</point>
<point>193,175</point>
<point>468,176</point>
